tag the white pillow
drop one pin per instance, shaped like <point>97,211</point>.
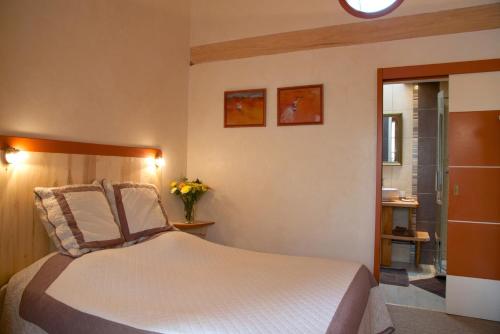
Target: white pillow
<point>78,218</point>
<point>138,209</point>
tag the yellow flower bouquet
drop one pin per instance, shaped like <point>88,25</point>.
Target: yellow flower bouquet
<point>189,192</point>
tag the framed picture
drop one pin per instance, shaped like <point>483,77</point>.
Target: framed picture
<point>245,108</point>
<point>300,105</point>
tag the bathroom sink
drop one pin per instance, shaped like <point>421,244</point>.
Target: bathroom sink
<point>390,194</point>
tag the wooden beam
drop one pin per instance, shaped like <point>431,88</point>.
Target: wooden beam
<point>420,25</point>
<point>70,147</point>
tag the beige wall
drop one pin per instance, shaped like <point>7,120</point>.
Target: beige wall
<point>306,190</point>
<point>215,21</point>
<point>113,71</point>
<point>398,99</point>
<point>475,92</point>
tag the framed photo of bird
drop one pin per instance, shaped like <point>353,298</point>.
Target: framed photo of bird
<point>245,108</point>
<point>300,105</point>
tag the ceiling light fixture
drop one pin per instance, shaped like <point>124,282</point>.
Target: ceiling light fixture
<point>368,9</point>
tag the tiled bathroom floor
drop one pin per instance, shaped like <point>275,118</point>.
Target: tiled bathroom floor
<point>411,295</point>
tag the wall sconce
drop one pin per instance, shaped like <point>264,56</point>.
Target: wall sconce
<point>157,162</point>
<point>14,156</point>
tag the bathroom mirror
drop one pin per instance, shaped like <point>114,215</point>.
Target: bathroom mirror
<point>392,141</point>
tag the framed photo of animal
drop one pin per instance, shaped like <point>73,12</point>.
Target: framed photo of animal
<point>245,108</point>
<point>300,105</point>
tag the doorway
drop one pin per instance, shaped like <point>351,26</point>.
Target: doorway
<point>473,286</point>
<point>414,193</point>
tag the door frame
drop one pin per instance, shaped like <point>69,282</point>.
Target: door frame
<point>415,72</point>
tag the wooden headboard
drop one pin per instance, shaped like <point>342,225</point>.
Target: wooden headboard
<point>23,239</point>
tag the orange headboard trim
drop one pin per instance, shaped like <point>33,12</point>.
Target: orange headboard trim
<point>71,147</point>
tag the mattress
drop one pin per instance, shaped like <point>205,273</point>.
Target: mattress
<point>179,283</point>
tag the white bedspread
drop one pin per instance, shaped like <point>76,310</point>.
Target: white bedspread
<point>178,283</point>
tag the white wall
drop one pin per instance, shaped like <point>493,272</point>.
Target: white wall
<point>113,72</point>
<point>306,190</point>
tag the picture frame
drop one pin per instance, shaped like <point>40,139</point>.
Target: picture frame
<point>245,108</point>
<point>300,105</point>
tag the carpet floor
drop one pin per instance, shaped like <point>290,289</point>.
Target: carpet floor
<point>409,320</point>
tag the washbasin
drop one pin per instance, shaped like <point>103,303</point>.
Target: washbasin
<point>390,194</point>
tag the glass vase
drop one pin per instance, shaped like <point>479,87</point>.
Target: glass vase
<point>189,210</point>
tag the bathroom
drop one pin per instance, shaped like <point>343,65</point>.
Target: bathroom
<point>414,196</point>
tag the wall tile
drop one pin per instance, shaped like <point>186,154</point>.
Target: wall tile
<point>401,252</point>
<point>402,97</point>
<point>400,217</point>
<point>427,122</point>
<point>426,179</point>
<point>427,256</point>
<point>387,176</point>
<point>427,209</point>
<point>426,151</point>
<point>427,94</point>
<point>388,98</point>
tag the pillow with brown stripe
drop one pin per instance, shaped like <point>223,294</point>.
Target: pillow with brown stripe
<point>138,209</point>
<point>78,218</point>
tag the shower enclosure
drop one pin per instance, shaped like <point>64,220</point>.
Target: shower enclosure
<point>441,182</point>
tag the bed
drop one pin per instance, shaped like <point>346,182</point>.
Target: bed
<point>179,283</point>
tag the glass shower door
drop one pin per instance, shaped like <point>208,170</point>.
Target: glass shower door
<point>441,182</point>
